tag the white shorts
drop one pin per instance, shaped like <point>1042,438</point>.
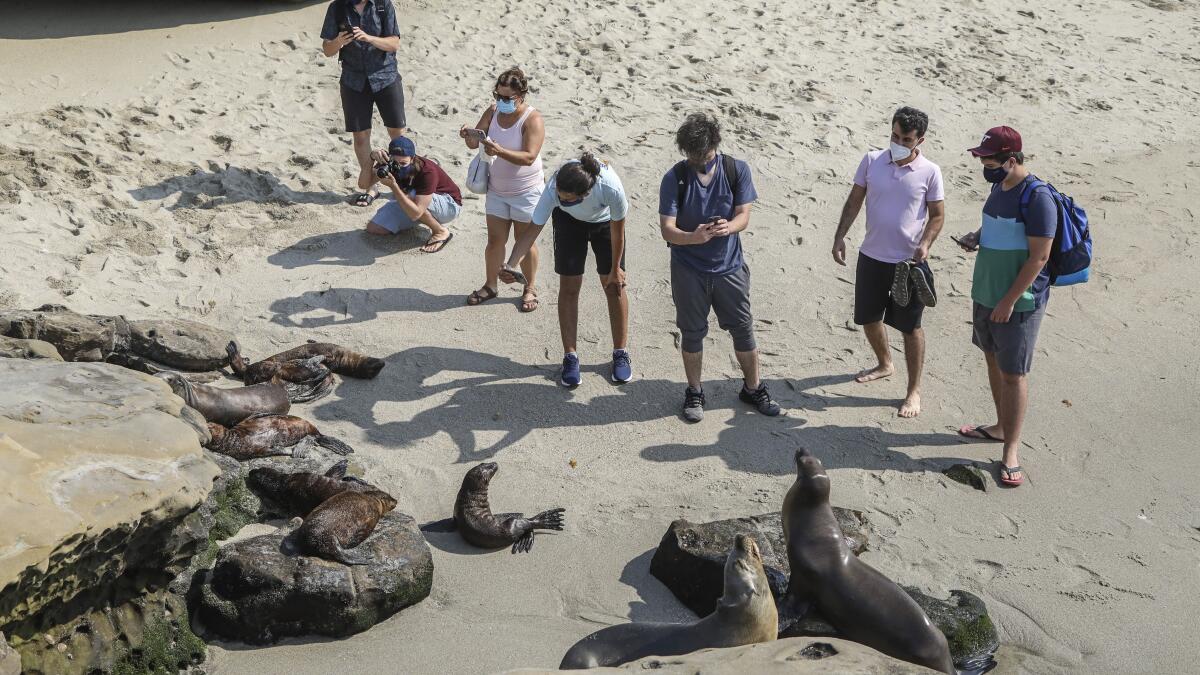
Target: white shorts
<point>517,209</point>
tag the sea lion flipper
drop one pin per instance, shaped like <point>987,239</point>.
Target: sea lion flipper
<point>334,445</point>
<point>309,390</point>
<point>523,544</point>
<point>549,520</point>
<point>338,470</point>
<point>353,557</point>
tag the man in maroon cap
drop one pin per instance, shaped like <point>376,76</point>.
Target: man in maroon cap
<point>1010,287</point>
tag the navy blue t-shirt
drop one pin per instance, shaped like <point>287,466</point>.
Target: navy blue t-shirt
<point>364,66</point>
<point>719,255</point>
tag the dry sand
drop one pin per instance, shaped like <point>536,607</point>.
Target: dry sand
<point>185,159</point>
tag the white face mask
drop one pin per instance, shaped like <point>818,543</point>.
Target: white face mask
<point>899,152</point>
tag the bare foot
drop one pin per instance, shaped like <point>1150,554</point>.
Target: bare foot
<point>876,373</point>
<point>911,406</point>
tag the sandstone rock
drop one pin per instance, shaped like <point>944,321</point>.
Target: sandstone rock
<point>257,594</point>
<point>10,660</point>
<point>179,343</point>
<point>99,469</point>
<point>690,560</point>
<point>795,656</point>
<point>17,348</point>
<point>76,336</point>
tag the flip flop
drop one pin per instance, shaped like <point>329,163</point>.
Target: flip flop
<point>923,285</point>
<point>438,245</point>
<point>477,298</point>
<point>969,431</point>
<point>1006,473</point>
<point>363,198</point>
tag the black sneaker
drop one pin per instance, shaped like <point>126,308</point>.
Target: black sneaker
<point>923,283</point>
<point>693,405</point>
<point>761,399</point>
<point>900,280</point>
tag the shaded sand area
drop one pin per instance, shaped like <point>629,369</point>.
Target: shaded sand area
<point>186,159</point>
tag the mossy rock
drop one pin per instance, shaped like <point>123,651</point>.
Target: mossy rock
<point>967,474</point>
<point>965,622</point>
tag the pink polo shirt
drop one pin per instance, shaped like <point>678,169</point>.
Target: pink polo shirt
<point>897,199</point>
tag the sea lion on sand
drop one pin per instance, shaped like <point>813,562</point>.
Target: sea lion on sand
<point>267,434</point>
<point>341,522</point>
<point>745,615</point>
<point>473,516</point>
<point>228,407</point>
<point>301,492</point>
<point>336,358</point>
<point>862,604</point>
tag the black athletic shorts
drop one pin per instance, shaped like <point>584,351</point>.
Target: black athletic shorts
<point>357,106</point>
<point>571,239</point>
<point>873,296</point>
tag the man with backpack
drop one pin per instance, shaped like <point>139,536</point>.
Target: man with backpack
<point>364,35</point>
<point>1011,285</point>
<point>704,202</point>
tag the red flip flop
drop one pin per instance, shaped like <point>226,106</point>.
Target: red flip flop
<point>1006,473</point>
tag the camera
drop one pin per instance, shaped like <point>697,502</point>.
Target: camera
<point>382,170</point>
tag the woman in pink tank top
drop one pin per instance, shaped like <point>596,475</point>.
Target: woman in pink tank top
<point>514,134</point>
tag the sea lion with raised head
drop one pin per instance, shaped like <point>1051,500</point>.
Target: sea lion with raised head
<point>745,614</point>
<point>299,493</point>
<point>862,604</point>
<point>269,434</point>
<point>284,364</point>
<point>473,516</point>
<point>339,523</point>
<point>228,407</point>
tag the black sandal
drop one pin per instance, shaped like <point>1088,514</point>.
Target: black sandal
<point>363,198</point>
<point>478,298</point>
<point>437,245</point>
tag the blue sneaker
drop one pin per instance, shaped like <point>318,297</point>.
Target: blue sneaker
<point>622,370</point>
<point>570,371</point>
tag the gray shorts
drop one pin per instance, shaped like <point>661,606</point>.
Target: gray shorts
<point>1013,342</point>
<point>695,294</point>
<point>392,218</point>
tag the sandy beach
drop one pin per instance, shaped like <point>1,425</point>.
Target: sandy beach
<point>187,159</point>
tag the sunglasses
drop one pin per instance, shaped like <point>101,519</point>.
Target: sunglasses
<point>496,95</point>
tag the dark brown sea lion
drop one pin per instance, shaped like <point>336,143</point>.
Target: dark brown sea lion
<point>341,522</point>
<point>228,407</point>
<point>473,516</point>
<point>301,492</point>
<point>268,434</point>
<point>337,359</point>
<point>862,604</point>
<point>745,615</point>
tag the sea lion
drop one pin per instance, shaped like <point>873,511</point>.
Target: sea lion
<point>341,522</point>
<point>228,407</point>
<point>862,604</point>
<point>299,493</point>
<point>745,614</point>
<point>269,434</point>
<point>336,358</point>
<point>473,516</point>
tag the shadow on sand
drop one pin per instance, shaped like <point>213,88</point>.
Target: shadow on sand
<point>72,18</point>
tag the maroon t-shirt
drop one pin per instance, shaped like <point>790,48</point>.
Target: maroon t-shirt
<point>432,180</point>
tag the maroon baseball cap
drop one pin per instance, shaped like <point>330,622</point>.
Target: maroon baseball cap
<point>996,141</point>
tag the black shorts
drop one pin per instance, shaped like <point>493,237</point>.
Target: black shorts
<point>873,296</point>
<point>357,106</point>
<point>571,239</point>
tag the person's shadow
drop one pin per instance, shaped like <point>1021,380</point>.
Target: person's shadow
<point>71,18</point>
<point>202,189</point>
<point>352,248</point>
<point>340,306</point>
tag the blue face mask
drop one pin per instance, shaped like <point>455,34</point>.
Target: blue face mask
<point>402,171</point>
<point>506,106</point>
<point>996,175</point>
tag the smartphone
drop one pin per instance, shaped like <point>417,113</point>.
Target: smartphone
<point>343,28</point>
<point>478,134</point>
<point>519,276</point>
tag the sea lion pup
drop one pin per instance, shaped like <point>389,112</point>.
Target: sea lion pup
<point>299,493</point>
<point>341,522</point>
<point>228,407</point>
<point>268,434</point>
<point>862,604</point>
<point>745,614</point>
<point>473,516</point>
<point>336,358</point>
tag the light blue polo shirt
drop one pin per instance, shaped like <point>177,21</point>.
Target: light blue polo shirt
<point>606,201</point>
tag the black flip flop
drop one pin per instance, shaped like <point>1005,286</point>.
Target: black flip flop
<point>363,198</point>
<point>439,244</point>
<point>966,432</point>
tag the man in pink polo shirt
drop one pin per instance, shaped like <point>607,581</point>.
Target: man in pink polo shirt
<point>893,283</point>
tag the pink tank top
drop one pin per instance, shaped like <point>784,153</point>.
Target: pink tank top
<point>505,178</point>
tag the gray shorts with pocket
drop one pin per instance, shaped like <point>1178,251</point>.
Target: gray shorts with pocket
<point>728,295</point>
<point>1012,342</point>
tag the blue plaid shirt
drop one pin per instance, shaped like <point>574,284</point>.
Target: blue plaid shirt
<point>362,64</point>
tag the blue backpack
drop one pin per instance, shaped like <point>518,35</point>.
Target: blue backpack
<point>1071,254</point>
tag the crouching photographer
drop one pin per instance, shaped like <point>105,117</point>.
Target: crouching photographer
<point>421,193</point>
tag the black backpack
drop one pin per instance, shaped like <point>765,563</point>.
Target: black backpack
<point>343,18</point>
<point>681,178</point>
